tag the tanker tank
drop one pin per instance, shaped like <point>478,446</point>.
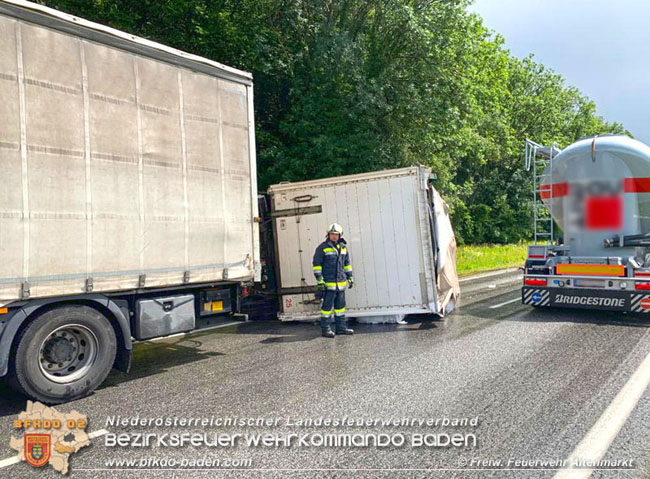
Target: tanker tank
<point>598,191</point>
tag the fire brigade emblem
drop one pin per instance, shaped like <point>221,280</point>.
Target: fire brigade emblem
<point>37,449</point>
<point>44,435</point>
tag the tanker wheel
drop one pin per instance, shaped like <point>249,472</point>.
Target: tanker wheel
<point>63,354</point>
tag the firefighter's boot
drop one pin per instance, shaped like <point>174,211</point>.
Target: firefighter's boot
<point>327,333</point>
<point>342,326</point>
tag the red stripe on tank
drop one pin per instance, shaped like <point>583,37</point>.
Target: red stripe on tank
<point>637,185</point>
<point>559,189</point>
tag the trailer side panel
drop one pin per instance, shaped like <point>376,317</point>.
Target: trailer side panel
<point>385,221</point>
<point>120,170</point>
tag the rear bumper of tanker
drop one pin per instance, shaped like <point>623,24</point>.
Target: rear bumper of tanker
<point>631,301</point>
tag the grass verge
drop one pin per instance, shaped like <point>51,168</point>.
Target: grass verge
<point>472,259</point>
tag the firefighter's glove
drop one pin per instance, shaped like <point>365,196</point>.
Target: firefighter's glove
<point>350,282</point>
<point>321,285</point>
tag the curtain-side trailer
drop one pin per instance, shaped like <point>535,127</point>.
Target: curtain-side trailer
<point>129,200</point>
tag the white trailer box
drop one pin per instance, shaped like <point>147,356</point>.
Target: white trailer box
<point>125,163</point>
<point>401,244</point>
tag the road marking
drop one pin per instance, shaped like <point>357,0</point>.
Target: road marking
<point>504,303</point>
<point>487,275</point>
<point>190,332</point>
<point>10,461</point>
<point>595,444</point>
<point>98,433</point>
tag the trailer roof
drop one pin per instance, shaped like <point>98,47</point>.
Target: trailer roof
<point>410,170</point>
<point>71,24</point>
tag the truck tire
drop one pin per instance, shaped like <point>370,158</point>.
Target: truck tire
<point>63,354</point>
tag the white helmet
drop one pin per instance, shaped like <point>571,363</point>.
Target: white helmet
<point>335,228</point>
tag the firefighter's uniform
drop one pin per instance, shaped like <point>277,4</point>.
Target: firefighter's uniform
<point>333,272</point>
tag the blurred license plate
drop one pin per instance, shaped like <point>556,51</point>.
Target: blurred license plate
<point>589,283</point>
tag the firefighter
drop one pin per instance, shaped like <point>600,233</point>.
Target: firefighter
<point>333,272</point>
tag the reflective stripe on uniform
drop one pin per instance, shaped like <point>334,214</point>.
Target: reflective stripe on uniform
<point>327,314</point>
<point>334,262</point>
<point>339,312</point>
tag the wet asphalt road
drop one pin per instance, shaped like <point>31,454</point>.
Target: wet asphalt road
<point>536,379</point>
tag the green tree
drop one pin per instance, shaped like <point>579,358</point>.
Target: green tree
<point>346,86</point>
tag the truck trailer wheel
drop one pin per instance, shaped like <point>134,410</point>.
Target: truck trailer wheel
<point>63,354</point>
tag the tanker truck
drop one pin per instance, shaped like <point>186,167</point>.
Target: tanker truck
<point>597,191</point>
<point>128,209</point>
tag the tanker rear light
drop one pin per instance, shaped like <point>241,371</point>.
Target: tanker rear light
<point>535,281</point>
<point>537,252</point>
<point>642,285</point>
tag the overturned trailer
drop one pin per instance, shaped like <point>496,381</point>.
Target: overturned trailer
<point>398,232</point>
<point>597,191</point>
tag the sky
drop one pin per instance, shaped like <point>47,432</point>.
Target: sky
<point>602,47</point>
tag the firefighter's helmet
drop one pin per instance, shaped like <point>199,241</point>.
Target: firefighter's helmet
<point>335,228</point>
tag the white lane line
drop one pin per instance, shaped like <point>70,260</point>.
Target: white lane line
<point>504,303</point>
<point>594,445</point>
<point>98,433</point>
<point>191,332</point>
<point>10,461</point>
<point>487,275</point>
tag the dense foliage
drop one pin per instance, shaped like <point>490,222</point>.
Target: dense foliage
<point>345,86</point>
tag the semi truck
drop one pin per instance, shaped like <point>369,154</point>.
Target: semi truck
<point>597,191</point>
<point>399,235</point>
<point>129,206</point>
